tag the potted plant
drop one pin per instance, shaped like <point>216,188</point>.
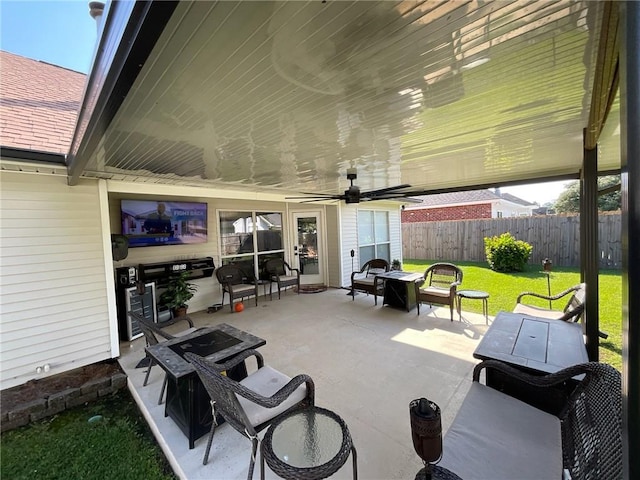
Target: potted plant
<point>395,264</point>
<point>178,293</point>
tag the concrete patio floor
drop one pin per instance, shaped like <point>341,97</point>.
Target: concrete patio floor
<point>368,362</point>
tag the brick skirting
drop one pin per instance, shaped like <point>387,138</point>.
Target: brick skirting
<point>31,411</point>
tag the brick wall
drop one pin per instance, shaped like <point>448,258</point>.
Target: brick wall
<point>24,413</point>
<point>461,212</point>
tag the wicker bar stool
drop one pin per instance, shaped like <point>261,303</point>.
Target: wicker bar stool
<point>308,444</point>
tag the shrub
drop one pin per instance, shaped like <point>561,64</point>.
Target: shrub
<point>506,254</point>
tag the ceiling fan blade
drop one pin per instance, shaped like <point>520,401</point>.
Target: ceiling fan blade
<point>315,195</point>
<point>385,190</point>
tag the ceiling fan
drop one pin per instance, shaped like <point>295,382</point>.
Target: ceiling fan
<point>354,195</point>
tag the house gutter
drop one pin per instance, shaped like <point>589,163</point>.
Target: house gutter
<point>130,31</point>
<point>9,153</point>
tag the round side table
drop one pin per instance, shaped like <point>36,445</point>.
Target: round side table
<point>307,444</point>
<point>476,295</point>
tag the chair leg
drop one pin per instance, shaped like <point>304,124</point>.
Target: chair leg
<point>214,423</point>
<point>254,449</point>
<point>146,377</point>
<point>164,386</point>
<point>354,457</point>
<point>451,310</point>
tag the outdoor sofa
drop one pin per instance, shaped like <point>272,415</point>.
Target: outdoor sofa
<point>499,437</point>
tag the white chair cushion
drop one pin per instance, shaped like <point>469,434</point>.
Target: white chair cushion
<point>288,278</point>
<point>494,436</point>
<point>438,292</point>
<point>267,381</point>
<point>365,281</point>
<point>537,311</point>
<point>243,288</point>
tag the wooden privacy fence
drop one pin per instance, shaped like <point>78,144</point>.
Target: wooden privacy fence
<point>555,237</point>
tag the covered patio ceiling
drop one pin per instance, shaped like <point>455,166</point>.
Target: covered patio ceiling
<point>284,97</point>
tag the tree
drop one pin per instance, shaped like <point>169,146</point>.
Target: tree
<point>569,199</point>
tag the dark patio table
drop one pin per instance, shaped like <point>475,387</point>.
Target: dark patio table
<point>535,345</point>
<point>399,289</point>
<point>187,400</point>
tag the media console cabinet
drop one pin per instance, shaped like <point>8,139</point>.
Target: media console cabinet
<point>161,272</point>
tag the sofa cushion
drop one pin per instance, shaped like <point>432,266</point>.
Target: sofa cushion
<point>494,436</point>
<point>267,381</point>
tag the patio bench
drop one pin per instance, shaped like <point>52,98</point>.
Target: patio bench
<point>499,437</point>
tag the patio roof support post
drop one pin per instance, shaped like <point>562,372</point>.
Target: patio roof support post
<point>589,246</point>
<point>630,164</point>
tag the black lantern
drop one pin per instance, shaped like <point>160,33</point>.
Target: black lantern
<point>546,265</point>
<point>426,433</point>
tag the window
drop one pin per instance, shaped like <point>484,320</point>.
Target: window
<point>498,214</point>
<point>373,235</point>
<point>250,239</point>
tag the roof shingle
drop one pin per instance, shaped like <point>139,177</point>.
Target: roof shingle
<point>39,104</point>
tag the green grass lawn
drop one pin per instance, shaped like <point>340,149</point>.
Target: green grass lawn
<point>116,445</point>
<point>504,288</point>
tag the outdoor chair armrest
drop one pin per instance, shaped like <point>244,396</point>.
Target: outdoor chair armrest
<point>173,321</point>
<point>454,286</point>
<point>157,328</point>
<point>547,297</point>
<point>286,391</point>
<point>238,359</point>
<point>281,395</point>
<point>541,381</point>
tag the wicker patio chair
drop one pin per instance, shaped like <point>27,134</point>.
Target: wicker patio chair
<point>250,405</point>
<point>152,331</point>
<point>235,282</point>
<point>283,275</point>
<point>366,280</point>
<point>572,311</point>
<point>440,285</point>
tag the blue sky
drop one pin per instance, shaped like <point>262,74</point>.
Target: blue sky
<point>58,32</point>
<point>63,33</point>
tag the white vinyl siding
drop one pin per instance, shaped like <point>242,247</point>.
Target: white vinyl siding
<point>349,232</point>
<point>52,276</point>
<point>333,246</point>
<point>349,223</point>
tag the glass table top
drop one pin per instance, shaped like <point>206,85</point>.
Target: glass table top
<point>307,439</point>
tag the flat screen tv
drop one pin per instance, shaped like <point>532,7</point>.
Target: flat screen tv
<point>150,223</point>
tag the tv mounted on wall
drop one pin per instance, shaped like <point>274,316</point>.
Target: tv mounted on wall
<point>151,223</point>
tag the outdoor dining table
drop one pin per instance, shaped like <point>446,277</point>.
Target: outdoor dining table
<point>187,402</point>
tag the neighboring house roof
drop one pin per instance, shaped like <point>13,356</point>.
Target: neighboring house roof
<point>39,104</point>
<point>464,198</point>
<point>513,199</point>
